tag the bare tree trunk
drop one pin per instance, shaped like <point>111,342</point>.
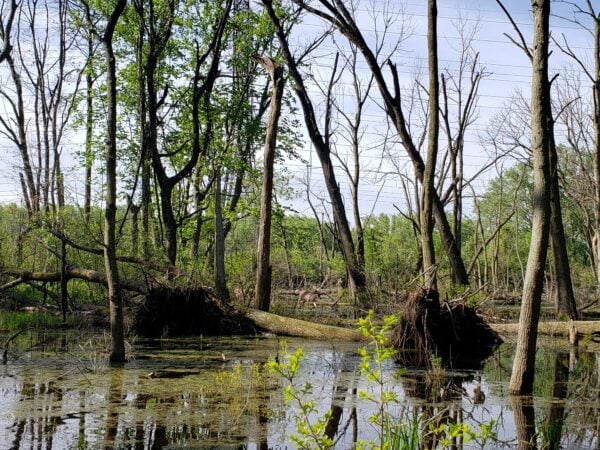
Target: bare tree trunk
<point>426,219</point>
<point>117,353</point>
<point>89,130</point>
<point>521,381</point>
<point>356,276</point>
<point>219,252</point>
<point>64,280</point>
<point>565,298</point>
<point>145,152</point>
<point>20,139</point>
<point>198,197</point>
<point>339,16</point>
<point>263,271</point>
<point>596,95</point>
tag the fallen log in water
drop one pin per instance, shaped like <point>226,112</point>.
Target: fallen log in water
<point>552,328</point>
<point>288,326</point>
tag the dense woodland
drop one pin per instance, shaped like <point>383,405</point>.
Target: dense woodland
<point>189,112</point>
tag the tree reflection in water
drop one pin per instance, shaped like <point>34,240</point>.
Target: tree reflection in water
<point>57,398</point>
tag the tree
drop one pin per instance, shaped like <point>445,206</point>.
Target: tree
<point>263,271</point>
<point>117,353</point>
<point>577,132</point>
<point>565,298</point>
<point>158,28</point>
<point>426,220</point>
<point>521,381</point>
<point>337,15</point>
<point>458,109</point>
<point>356,276</point>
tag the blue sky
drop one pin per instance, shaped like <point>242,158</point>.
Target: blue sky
<point>507,71</point>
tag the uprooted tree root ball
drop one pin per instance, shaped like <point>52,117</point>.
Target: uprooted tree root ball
<point>187,312</point>
<point>451,331</point>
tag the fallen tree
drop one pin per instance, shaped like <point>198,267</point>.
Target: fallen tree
<point>92,276</point>
<point>554,328</point>
<point>177,311</point>
<point>182,311</point>
<point>294,327</point>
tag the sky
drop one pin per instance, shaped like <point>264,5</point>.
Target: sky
<point>507,70</point>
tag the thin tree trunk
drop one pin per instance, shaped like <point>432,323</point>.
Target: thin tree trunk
<point>117,353</point>
<point>198,197</point>
<point>89,130</point>
<point>565,298</point>
<point>341,18</point>
<point>135,228</point>
<point>356,276</point>
<point>426,220</point>
<point>263,271</point>
<point>219,248</point>
<point>31,193</point>
<point>146,162</point>
<point>64,280</point>
<point>596,96</point>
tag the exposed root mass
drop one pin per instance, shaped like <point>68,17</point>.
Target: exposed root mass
<point>450,331</point>
<point>187,312</point>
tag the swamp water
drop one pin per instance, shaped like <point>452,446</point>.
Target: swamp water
<point>56,391</point>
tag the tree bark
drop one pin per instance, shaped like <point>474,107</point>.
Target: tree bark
<point>521,382</point>
<point>294,327</point>
<point>117,353</point>
<point>89,136</point>
<point>429,269</point>
<point>64,281</point>
<point>565,298</point>
<point>74,272</point>
<point>596,95</point>
<point>262,292</point>
<point>219,254</point>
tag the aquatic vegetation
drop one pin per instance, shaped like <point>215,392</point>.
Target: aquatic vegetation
<point>397,425</point>
<point>310,431</point>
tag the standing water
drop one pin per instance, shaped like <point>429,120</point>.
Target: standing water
<point>57,391</point>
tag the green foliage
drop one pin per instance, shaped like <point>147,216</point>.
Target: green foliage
<point>17,320</point>
<point>403,430</point>
<point>391,249</point>
<point>372,359</point>
<point>309,433</point>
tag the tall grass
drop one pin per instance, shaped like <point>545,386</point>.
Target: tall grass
<point>39,320</point>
